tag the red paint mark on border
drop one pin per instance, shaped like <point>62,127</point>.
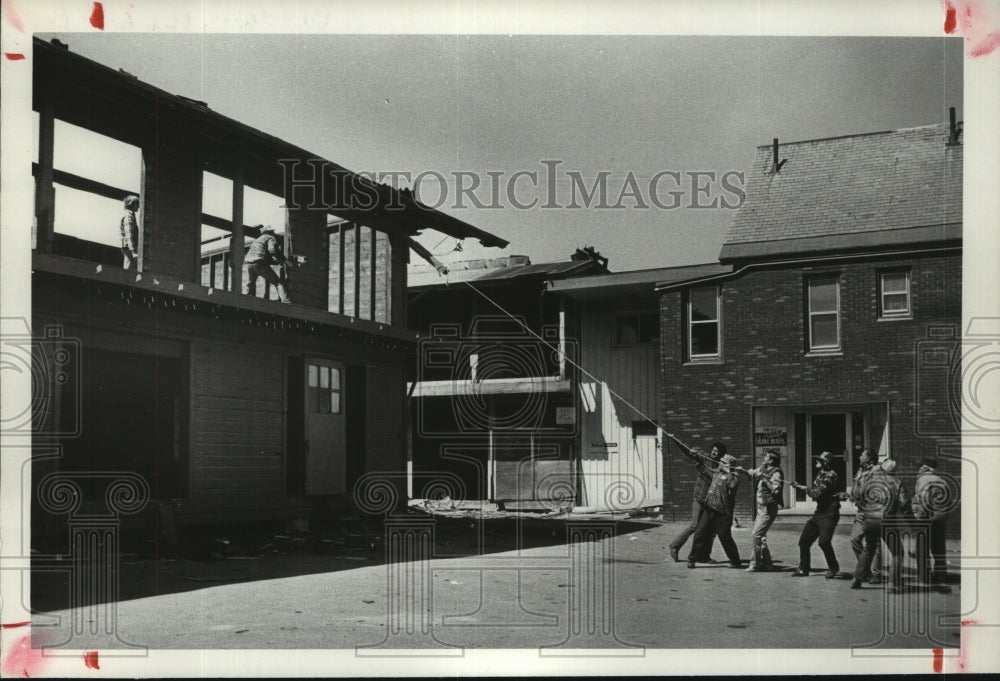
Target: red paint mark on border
<point>97,16</point>
<point>975,22</point>
<point>938,660</point>
<point>22,659</point>
<point>962,661</point>
<point>949,18</point>
<point>90,659</point>
<point>987,45</point>
<point>10,14</point>
<point>15,625</point>
<point>13,56</point>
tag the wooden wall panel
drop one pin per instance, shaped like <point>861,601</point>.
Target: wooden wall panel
<point>172,214</point>
<point>619,471</point>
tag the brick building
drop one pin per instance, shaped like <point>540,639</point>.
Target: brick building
<point>836,325</point>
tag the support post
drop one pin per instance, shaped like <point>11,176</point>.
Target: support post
<point>45,193</point>
<point>236,238</point>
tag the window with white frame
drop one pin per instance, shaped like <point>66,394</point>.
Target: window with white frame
<point>703,322</point>
<point>894,294</point>
<point>824,313</point>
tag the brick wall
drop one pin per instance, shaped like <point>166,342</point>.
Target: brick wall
<point>764,362</point>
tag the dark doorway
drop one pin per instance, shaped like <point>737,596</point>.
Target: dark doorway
<point>829,434</point>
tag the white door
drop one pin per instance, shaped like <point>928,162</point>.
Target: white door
<point>326,434</point>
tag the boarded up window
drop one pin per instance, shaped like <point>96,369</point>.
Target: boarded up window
<point>360,272</point>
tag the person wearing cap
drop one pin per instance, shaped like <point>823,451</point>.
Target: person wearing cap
<point>866,467</point>
<point>768,480</point>
<point>264,252</point>
<point>720,501</point>
<point>129,228</point>
<point>881,496</point>
<point>823,521</point>
<point>931,499</point>
<point>705,465</point>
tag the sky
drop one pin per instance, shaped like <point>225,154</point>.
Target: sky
<point>493,105</point>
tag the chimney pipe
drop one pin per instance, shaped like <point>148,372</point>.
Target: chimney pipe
<point>954,129</point>
<point>775,163</point>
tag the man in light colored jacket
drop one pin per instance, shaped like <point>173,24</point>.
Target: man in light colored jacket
<point>881,496</point>
<point>931,502</point>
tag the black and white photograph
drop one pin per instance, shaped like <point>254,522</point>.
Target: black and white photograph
<point>497,339</point>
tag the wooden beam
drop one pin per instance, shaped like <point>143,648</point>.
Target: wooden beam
<point>562,336</point>
<point>340,269</point>
<point>81,183</point>
<point>359,229</point>
<point>184,289</point>
<point>236,242</point>
<point>387,283</point>
<point>400,257</point>
<point>492,386</point>
<point>45,195</point>
<point>428,256</point>
<point>373,259</point>
<point>387,277</point>
<point>227,225</point>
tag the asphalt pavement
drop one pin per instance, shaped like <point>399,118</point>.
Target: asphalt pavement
<point>469,585</point>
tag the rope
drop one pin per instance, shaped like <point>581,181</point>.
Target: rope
<point>689,450</point>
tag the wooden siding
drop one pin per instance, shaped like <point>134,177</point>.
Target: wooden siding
<point>385,418</point>
<point>172,214</point>
<point>237,419</point>
<point>307,234</point>
<point>622,387</point>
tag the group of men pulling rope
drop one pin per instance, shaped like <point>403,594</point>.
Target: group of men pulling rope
<point>877,494</point>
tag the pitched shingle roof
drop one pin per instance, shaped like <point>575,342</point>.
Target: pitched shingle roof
<point>857,191</point>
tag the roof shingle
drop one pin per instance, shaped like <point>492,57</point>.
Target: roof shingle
<point>875,182</point>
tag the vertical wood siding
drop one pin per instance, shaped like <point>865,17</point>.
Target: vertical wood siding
<point>237,421</point>
<point>622,387</point>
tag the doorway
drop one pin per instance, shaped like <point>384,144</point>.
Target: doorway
<point>831,433</point>
<point>325,428</point>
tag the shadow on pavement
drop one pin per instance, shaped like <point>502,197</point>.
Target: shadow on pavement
<point>216,555</point>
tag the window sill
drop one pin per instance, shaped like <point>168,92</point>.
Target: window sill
<point>901,318</point>
<point>825,353</point>
<point>700,362</point>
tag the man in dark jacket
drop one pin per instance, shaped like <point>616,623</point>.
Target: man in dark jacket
<point>720,500</point>
<point>824,519</point>
<point>264,252</point>
<point>705,465</point>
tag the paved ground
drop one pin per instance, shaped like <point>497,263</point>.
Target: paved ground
<point>614,593</point>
